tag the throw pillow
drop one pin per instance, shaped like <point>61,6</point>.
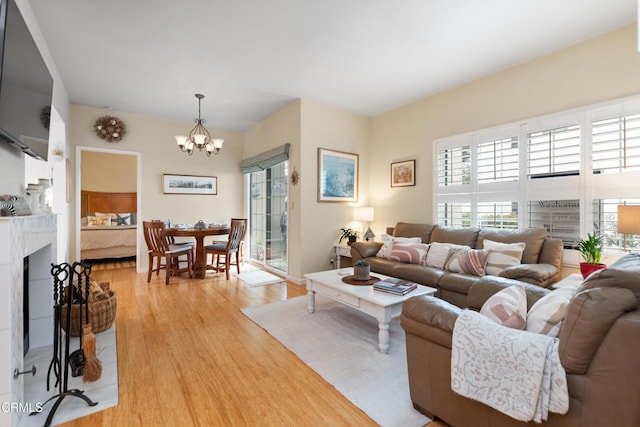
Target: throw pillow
<point>502,255</point>
<point>508,307</point>
<point>547,314</point>
<point>388,240</point>
<point>438,254</point>
<point>123,219</point>
<point>412,254</point>
<point>466,260</point>
<point>98,221</point>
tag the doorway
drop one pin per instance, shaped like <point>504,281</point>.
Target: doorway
<point>268,212</point>
<point>108,171</point>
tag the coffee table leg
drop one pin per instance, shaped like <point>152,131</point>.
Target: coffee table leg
<point>383,337</point>
<point>311,305</point>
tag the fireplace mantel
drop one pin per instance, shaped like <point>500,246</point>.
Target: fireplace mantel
<point>22,236</point>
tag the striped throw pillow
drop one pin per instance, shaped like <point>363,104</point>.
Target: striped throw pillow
<point>388,241</point>
<point>508,307</point>
<point>409,253</point>
<point>502,255</point>
<point>466,260</point>
<point>438,254</point>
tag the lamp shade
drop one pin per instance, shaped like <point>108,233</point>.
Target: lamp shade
<point>363,214</point>
<point>629,219</point>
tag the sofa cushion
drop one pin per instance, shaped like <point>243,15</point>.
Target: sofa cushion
<point>591,314</point>
<point>388,241</point>
<point>466,260</point>
<point>406,229</point>
<point>458,282</point>
<point>427,276</point>
<point>533,239</point>
<point>547,314</point>
<point>438,254</point>
<point>382,265</point>
<point>464,236</point>
<point>411,254</point>
<point>623,273</point>
<point>508,307</point>
<point>502,255</point>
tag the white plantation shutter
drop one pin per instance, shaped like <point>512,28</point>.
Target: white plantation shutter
<point>554,152</point>
<point>498,160</point>
<point>454,214</point>
<point>454,166</point>
<point>616,144</point>
<point>605,223</point>
<point>561,219</point>
<point>497,215</point>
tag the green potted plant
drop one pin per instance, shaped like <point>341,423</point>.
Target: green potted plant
<point>361,270</point>
<point>591,251</point>
<point>349,234</point>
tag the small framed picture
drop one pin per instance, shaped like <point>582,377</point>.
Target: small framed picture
<point>337,176</point>
<point>189,184</point>
<point>403,174</point>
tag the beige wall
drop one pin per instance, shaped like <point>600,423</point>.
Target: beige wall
<point>153,139</point>
<point>106,172</point>
<point>601,69</point>
<point>327,127</point>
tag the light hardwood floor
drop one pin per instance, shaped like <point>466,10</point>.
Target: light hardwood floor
<point>187,356</point>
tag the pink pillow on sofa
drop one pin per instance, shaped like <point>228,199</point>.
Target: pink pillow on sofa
<point>411,254</point>
<point>508,307</point>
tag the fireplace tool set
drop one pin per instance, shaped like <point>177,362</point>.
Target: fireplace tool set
<point>64,360</point>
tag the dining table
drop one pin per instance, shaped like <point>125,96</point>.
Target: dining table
<point>199,234</point>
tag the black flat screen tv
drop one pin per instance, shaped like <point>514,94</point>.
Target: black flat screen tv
<point>26,86</point>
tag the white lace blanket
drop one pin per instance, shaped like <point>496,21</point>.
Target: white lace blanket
<point>516,372</point>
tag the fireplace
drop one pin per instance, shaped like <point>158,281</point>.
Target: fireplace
<point>32,237</point>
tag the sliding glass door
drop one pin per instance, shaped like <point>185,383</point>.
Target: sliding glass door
<point>268,213</point>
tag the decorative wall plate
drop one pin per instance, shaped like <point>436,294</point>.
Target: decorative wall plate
<point>110,128</point>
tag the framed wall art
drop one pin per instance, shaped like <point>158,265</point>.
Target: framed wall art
<point>403,174</point>
<point>189,184</point>
<point>337,176</point>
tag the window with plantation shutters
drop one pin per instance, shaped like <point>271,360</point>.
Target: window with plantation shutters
<point>498,160</point>
<point>605,223</point>
<point>454,214</point>
<point>497,215</point>
<point>561,219</point>
<point>616,144</point>
<point>554,152</point>
<point>454,166</point>
<point>566,172</point>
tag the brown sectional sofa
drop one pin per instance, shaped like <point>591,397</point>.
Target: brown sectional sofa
<point>541,259</point>
<point>599,346</point>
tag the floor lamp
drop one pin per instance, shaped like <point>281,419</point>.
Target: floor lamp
<point>365,214</point>
<point>628,221</point>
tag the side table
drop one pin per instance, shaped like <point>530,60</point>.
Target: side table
<point>342,250</point>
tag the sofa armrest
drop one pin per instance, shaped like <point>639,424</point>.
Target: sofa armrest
<point>484,288</point>
<point>361,250</point>
<point>430,318</point>
<point>536,274</point>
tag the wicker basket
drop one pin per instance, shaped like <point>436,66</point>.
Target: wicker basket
<point>102,312</point>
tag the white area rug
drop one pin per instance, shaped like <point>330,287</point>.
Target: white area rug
<point>341,344</point>
<point>259,278</point>
<point>104,391</point>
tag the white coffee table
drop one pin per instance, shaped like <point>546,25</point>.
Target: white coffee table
<point>383,306</point>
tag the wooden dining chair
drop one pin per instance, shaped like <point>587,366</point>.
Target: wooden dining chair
<point>227,249</point>
<point>172,240</point>
<point>165,256</point>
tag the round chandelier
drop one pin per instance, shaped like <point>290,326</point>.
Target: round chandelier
<point>199,137</point>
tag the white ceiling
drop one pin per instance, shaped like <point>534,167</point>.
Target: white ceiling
<point>252,57</point>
